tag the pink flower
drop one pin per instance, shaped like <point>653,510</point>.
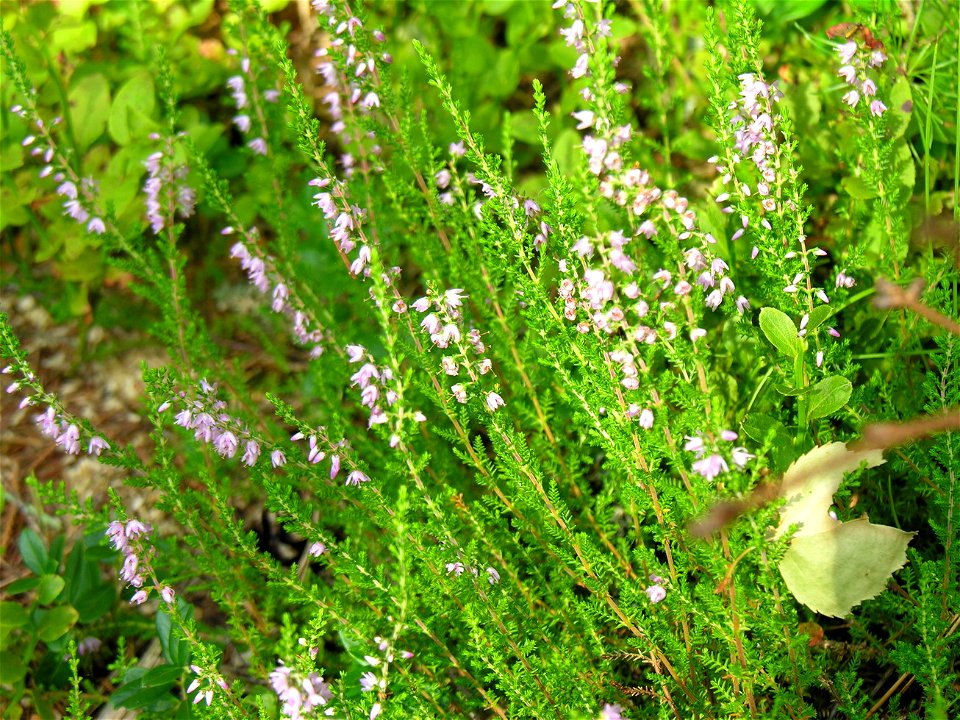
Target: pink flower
<point>117,537</point>
<point>581,67</point>
<point>317,549</point>
<point>88,645</point>
<point>646,419</point>
<point>356,477</point>
<point>251,453</point>
<point>70,440</point>
<point>277,458</point>
<point>710,466</point>
<point>656,593</point>
<point>877,108</point>
<point>714,299</point>
<point>852,98</point>
<point>368,682</point>
<point>454,297</point>
<point>848,73</point>
<point>96,446</point>
<point>611,712</point>
<point>694,444</point>
<point>494,401</point>
<point>847,51</point>
<point>135,529</point>
<point>739,455</point>
<point>584,119</point>
<point>226,444</point>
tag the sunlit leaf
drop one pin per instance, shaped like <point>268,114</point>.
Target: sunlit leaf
<point>828,396</point>
<point>780,330</point>
<point>832,566</point>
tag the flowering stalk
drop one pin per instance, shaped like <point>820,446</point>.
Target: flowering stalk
<point>71,434</point>
<point>263,274</point>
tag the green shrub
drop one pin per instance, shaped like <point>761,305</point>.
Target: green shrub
<point>544,375</point>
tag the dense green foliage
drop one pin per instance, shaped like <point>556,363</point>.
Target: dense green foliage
<point>501,362</point>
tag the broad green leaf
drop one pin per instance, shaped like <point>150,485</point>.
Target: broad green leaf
<point>76,8</point>
<point>272,5</point>
<point>183,16</point>
<point>176,649</point>
<point>12,615</point>
<point>11,155</point>
<point>818,316</point>
<point>89,105</point>
<point>73,36</point>
<point>901,107</point>
<point>831,566</point>
<point>33,551</point>
<point>497,7</point>
<point>835,571</point>
<point>903,167</point>
<point>22,585</point>
<point>828,396</point>
<point>142,687</point>
<point>524,127</point>
<point>131,108</point>
<point>566,150</point>
<point>56,552</point>
<point>760,428</point>
<point>507,72</point>
<point>780,331</point>
<point>858,189</point>
<point>49,588</point>
<point>55,622</point>
<point>12,669</point>
<point>785,12</point>
<point>810,482</point>
<point>79,574</point>
<point>96,603</point>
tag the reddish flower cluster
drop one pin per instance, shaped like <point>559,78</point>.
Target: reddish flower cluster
<point>464,358</point>
<point>349,69</point>
<point>265,277</point>
<point>166,188</point>
<point>206,416</point>
<point>346,220</point>
<point>710,462</point>
<point>79,193</point>
<point>857,63</point>
<point>129,539</point>
<point>299,694</point>
<point>247,95</point>
<point>63,429</point>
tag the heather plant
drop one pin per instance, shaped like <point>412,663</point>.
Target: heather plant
<point>588,425</point>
